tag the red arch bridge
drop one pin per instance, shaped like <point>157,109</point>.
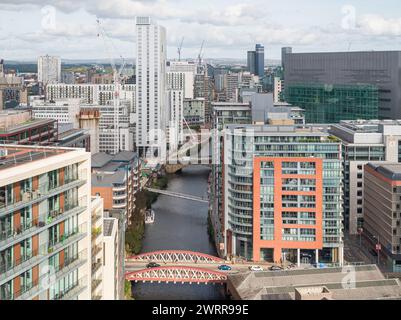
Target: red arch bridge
<point>176,266</point>
<point>175,256</point>
<point>177,274</point>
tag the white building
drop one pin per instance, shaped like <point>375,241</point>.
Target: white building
<point>45,244</point>
<point>194,111</point>
<point>64,111</point>
<point>181,76</point>
<point>49,69</point>
<point>176,117</point>
<point>278,89</point>
<point>151,58</point>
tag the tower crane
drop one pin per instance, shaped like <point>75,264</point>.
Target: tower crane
<point>180,49</point>
<point>117,83</point>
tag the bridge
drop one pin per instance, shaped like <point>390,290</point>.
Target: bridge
<point>178,195</point>
<point>178,266</point>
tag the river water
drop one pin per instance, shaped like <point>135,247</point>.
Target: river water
<point>180,224</point>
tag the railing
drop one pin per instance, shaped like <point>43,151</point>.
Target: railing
<point>95,284</point>
<point>96,266</point>
<point>53,244</point>
<point>34,287</point>
<point>72,290</point>
<point>43,220</point>
<point>96,250</point>
<point>32,196</point>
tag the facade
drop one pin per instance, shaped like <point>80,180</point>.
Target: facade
<point>116,180</point>
<point>49,70</point>
<point>282,194</point>
<point>363,142</point>
<point>12,90</point>
<point>204,88</point>
<point>181,76</point>
<point>114,250</point>
<point>194,111</point>
<point>98,263</point>
<point>251,62</point>
<point>151,58</point>
<point>382,203</point>
<point>278,89</point>
<point>331,104</point>
<point>64,111</point>
<point>375,68</point>
<point>45,244</point>
<point>176,117</point>
<point>260,60</point>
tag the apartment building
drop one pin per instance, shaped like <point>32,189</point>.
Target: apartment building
<point>363,141</point>
<point>97,261</point>
<point>175,132</point>
<point>151,84</point>
<point>49,69</point>
<point>115,178</point>
<point>382,211</point>
<point>282,194</point>
<point>45,243</point>
<point>114,250</point>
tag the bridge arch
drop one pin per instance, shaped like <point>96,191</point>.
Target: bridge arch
<point>177,274</point>
<point>176,256</point>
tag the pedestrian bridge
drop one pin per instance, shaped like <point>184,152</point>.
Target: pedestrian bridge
<point>178,195</point>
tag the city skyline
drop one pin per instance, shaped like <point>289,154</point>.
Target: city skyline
<point>69,29</point>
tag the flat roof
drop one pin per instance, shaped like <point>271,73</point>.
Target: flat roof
<point>108,224</point>
<point>15,155</point>
<point>369,283</point>
<point>389,170</point>
<point>33,123</point>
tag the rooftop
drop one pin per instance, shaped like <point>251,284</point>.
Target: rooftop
<point>389,170</point>
<point>281,285</point>
<point>14,155</point>
<point>108,225</point>
<point>305,130</point>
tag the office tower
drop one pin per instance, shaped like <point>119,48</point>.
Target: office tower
<point>284,51</point>
<point>49,70</point>
<point>333,103</point>
<point>45,223</point>
<point>278,89</point>
<point>232,84</point>
<point>67,77</point>
<point>381,69</point>
<point>260,60</point>
<point>282,194</point>
<point>251,62</point>
<point>362,142</point>
<point>382,203</point>
<point>151,87</point>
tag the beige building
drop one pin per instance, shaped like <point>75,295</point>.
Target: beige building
<point>45,223</point>
<point>382,211</point>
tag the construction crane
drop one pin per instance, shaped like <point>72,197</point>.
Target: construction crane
<point>117,83</point>
<point>179,49</point>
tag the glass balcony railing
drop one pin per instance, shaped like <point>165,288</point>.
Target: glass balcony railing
<point>72,290</point>
<point>55,272</point>
<point>10,268</point>
<point>42,192</point>
<point>10,235</point>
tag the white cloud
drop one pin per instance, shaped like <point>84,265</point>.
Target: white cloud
<point>373,24</point>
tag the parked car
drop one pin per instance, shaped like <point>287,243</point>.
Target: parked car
<point>152,265</point>
<point>255,268</point>
<point>275,268</point>
<point>224,267</point>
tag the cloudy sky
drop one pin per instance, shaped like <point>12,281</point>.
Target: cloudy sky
<point>68,28</point>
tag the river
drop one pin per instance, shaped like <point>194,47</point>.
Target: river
<point>180,224</point>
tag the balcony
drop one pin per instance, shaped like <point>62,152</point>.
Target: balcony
<point>11,269</point>
<point>31,197</point>
<point>11,236</point>
<point>96,233</point>
<point>95,285</point>
<point>96,250</point>
<point>72,291</point>
<point>96,266</point>
<point>47,279</point>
